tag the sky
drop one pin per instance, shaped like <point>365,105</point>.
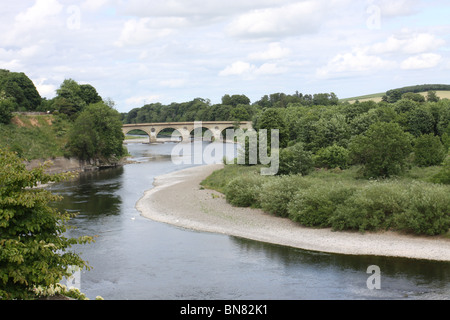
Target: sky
<point>138,52</point>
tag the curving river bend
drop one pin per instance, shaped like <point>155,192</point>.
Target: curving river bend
<point>134,258</point>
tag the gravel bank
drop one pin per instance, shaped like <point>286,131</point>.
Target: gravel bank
<point>178,199</point>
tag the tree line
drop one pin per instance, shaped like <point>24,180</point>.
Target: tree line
<point>232,108</point>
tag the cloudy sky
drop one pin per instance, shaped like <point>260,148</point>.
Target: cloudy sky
<point>138,52</point>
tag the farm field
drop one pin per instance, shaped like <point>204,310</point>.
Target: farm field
<point>378,96</point>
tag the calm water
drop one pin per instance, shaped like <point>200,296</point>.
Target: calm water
<point>134,258</point>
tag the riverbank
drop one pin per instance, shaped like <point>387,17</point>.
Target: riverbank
<point>178,199</point>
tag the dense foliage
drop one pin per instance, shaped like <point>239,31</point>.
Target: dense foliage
<point>20,89</point>
<point>33,249</point>
<point>97,134</point>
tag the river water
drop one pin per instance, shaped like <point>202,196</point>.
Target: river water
<point>134,258</point>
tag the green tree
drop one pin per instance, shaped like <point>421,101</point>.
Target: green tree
<point>89,94</point>
<point>6,109</point>
<point>20,88</point>
<point>69,98</point>
<point>417,97</point>
<point>296,160</point>
<point>273,119</point>
<point>333,157</point>
<point>97,134</point>
<point>235,100</point>
<point>429,151</point>
<point>33,249</point>
<point>382,150</point>
<point>420,121</point>
<point>432,96</point>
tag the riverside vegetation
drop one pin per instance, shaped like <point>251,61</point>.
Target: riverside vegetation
<point>365,167</point>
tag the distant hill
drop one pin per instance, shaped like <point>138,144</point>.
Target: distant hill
<point>442,90</point>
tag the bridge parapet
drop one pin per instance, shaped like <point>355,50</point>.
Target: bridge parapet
<point>185,128</point>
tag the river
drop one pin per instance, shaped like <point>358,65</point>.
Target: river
<point>134,258</point>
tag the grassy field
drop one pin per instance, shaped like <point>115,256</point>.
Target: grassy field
<point>378,96</point>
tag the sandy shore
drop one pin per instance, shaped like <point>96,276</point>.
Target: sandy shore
<point>178,199</point>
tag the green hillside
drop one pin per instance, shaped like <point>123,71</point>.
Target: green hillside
<point>35,137</point>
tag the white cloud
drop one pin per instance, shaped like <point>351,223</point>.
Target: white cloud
<point>394,8</point>
<point>357,61</point>
<point>45,90</point>
<point>408,43</point>
<point>141,31</point>
<point>195,8</point>
<point>241,68</point>
<point>93,5</point>
<point>38,14</point>
<point>293,19</point>
<point>422,61</point>
<point>238,68</point>
<point>173,83</point>
<point>139,101</point>
<point>274,52</point>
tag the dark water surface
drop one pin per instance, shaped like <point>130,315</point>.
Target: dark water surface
<point>135,258</point>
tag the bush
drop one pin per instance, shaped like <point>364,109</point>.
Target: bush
<point>333,157</point>
<point>315,206</point>
<point>296,160</point>
<point>371,207</point>
<point>443,176</point>
<point>244,191</point>
<point>429,151</point>
<point>427,211</point>
<point>278,191</point>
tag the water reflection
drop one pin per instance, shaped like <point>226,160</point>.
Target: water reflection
<point>401,277</point>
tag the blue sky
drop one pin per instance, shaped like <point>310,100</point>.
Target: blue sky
<point>136,52</point>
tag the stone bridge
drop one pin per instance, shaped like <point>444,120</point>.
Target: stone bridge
<point>215,129</point>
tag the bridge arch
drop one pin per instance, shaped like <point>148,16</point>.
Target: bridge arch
<point>214,129</point>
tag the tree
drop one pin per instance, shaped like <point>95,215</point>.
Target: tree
<point>417,97</point>
<point>273,119</point>
<point>392,96</point>
<point>432,96</point>
<point>333,157</point>
<point>69,98</point>
<point>382,150</point>
<point>33,249</point>
<point>296,160</point>
<point>20,88</point>
<point>89,94</point>
<point>429,151</point>
<point>6,109</point>
<point>97,134</point>
<point>420,121</point>
<point>235,100</point>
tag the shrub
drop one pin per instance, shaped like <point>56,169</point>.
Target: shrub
<point>429,151</point>
<point>333,157</point>
<point>278,191</point>
<point>427,211</point>
<point>244,191</point>
<point>371,207</point>
<point>296,160</point>
<point>443,176</point>
<point>315,206</point>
